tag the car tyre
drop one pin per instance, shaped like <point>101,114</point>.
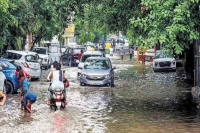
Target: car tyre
<point>112,83</point>
<point>9,88</point>
<point>4,88</point>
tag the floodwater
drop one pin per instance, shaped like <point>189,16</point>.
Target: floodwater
<point>140,102</point>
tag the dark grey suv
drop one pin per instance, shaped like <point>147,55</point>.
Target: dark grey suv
<point>97,71</point>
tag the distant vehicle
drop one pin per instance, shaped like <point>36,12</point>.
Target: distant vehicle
<point>63,48</point>
<point>12,84</point>
<point>163,61</point>
<point>70,56</point>
<point>29,61</point>
<point>2,81</point>
<point>97,71</point>
<point>86,55</point>
<point>44,54</point>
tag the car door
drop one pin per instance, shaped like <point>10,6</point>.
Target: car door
<point>65,56</point>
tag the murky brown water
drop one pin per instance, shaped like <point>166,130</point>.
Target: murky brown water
<point>141,102</point>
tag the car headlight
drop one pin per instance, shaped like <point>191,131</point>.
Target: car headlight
<point>45,59</point>
<point>83,75</point>
<point>107,76</point>
<point>156,63</point>
<point>173,62</point>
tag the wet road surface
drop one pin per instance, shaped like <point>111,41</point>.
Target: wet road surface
<point>140,102</point>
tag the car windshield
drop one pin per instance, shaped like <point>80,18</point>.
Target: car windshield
<point>40,50</point>
<point>161,55</point>
<point>97,64</point>
<point>84,57</point>
<point>31,58</point>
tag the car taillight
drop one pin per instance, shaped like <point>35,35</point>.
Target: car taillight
<point>25,64</point>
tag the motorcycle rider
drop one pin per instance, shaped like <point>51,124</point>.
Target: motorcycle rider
<point>57,78</point>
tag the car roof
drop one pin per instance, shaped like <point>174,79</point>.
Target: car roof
<point>22,52</point>
<point>42,47</point>
<point>98,58</point>
<point>92,52</point>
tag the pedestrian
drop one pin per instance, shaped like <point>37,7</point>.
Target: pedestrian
<point>2,98</point>
<point>131,52</point>
<point>29,98</point>
<point>80,55</point>
<point>25,87</point>
<point>122,53</point>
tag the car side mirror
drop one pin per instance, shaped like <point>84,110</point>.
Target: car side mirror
<point>113,68</point>
<point>48,53</point>
<point>0,68</point>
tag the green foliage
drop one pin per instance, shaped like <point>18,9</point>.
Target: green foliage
<point>171,23</point>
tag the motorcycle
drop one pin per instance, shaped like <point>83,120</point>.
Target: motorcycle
<point>58,98</point>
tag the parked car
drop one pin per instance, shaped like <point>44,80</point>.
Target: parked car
<point>8,69</point>
<point>97,71</point>
<point>163,61</point>
<point>29,61</point>
<point>44,54</point>
<point>2,81</point>
<point>86,55</point>
<point>70,56</point>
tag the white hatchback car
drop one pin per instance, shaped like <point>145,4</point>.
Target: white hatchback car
<point>86,55</point>
<point>2,81</point>
<point>27,60</point>
<point>163,61</point>
<point>44,54</point>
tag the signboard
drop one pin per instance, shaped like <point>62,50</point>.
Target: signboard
<point>69,31</point>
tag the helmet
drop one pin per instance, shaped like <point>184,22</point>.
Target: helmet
<point>18,68</point>
<point>56,65</point>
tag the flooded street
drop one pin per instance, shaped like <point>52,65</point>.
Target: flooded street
<point>141,102</point>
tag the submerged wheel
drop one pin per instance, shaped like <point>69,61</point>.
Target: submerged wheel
<point>9,88</point>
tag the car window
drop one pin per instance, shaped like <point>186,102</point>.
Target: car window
<point>40,50</point>
<point>3,65</point>
<point>17,56</point>
<point>8,55</point>
<point>97,64</point>
<point>69,51</point>
<point>84,57</point>
<point>161,55</point>
<point>31,58</point>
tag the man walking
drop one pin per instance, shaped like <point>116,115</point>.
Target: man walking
<point>131,52</point>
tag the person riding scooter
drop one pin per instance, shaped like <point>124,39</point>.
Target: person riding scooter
<point>57,81</point>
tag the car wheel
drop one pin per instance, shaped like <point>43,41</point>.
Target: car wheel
<point>4,88</point>
<point>112,83</point>
<point>9,88</point>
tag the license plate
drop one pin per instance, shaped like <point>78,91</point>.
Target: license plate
<point>95,82</point>
<point>58,103</point>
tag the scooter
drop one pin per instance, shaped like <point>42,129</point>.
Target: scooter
<point>57,99</point>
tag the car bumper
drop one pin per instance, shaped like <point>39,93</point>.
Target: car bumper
<point>85,81</point>
<point>164,68</point>
<point>34,73</point>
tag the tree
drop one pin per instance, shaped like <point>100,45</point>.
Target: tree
<point>171,23</point>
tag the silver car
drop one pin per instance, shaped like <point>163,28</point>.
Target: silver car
<point>97,71</point>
